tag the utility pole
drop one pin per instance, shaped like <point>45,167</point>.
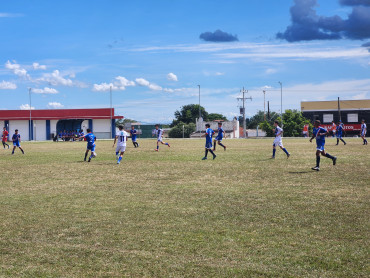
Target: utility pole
<point>111,116</point>
<point>281,103</point>
<point>200,128</point>
<point>340,116</point>
<point>243,110</point>
<point>31,127</point>
<point>264,105</point>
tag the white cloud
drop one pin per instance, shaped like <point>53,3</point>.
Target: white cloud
<point>46,90</point>
<point>17,69</point>
<point>10,15</point>
<point>123,82</point>
<point>7,86</point>
<point>104,87</point>
<point>120,84</point>
<point>37,66</point>
<point>270,71</point>
<point>146,83</point>
<point>55,79</point>
<point>171,76</point>
<point>360,96</point>
<point>26,107</point>
<point>219,73</point>
<point>54,105</point>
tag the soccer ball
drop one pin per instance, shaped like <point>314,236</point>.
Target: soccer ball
<point>94,154</point>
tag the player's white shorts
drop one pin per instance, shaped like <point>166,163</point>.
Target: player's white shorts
<point>363,133</point>
<point>278,142</point>
<point>160,139</point>
<point>120,149</point>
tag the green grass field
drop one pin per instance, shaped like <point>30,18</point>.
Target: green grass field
<point>170,214</point>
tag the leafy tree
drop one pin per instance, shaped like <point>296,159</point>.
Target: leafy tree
<point>188,114</point>
<point>124,121</point>
<point>294,122</point>
<point>216,116</point>
<point>177,130</point>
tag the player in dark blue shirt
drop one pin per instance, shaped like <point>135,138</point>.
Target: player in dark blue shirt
<point>133,133</point>
<point>319,133</point>
<point>209,134</point>
<point>339,132</point>
<point>17,141</point>
<point>220,135</point>
<point>90,139</point>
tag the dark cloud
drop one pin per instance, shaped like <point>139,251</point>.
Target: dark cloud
<point>366,44</point>
<point>307,25</point>
<point>218,36</point>
<point>355,2</point>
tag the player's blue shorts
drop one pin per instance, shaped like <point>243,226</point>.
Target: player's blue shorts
<point>208,145</point>
<point>17,144</point>
<point>133,139</point>
<point>320,147</point>
<point>339,135</point>
<point>91,148</point>
<point>218,138</point>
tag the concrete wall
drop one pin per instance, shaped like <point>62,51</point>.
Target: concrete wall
<point>101,129</point>
<point>230,127</point>
<point>39,130</point>
<point>23,128</point>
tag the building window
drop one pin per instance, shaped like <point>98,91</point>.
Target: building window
<point>352,118</point>
<point>328,118</point>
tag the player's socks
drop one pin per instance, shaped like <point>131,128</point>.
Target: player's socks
<point>22,151</point>
<point>343,141</point>
<point>119,159</point>
<point>85,156</point>
<point>157,148</point>
<point>206,154</point>
<point>273,152</point>
<point>284,149</point>
<point>337,141</point>
<point>317,161</point>
<point>214,156</point>
<point>222,145</point>
<point>329,156</point>
<point>137,144</point>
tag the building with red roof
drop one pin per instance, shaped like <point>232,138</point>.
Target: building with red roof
<point>45,124</point>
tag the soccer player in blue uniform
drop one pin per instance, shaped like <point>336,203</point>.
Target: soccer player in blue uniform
<point>340,129</point>
<point>209,134</point>
<point>319,133</point>
<point>278,141</point>
<point>90,139</point>
<point>17,141</point>
<point>220,135</point>
<point>159,134</point>
<point>363,132</point>
<point>133,133</point>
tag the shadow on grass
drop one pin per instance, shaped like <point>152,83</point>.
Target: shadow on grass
<point>301,172</point>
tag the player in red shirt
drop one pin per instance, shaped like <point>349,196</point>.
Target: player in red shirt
<point>5,137</point>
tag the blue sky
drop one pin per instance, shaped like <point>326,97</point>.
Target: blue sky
<point>154,54</point>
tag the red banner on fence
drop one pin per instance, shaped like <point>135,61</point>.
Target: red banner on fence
<point>347,127</point>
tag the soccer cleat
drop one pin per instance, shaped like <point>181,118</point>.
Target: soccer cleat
<point>168,145</point>
<point>315,168</point>
<point>288,155</point>
<point>334,160</point>
<point>225,148</point>
<point>118,162</point>
<point>204,158</point>
<point>214,156</point>
<point>89,159</point>
<point>156,150</point>
<point>272,157</point>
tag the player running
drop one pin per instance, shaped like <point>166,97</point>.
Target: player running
<point>4,137</point>
<point>17,141</point>
<point>340,129</point>
<point>90,139</point>
<point>319,133</point>
<point>121,144</point>
<point>159,134</point>
<point>220,135</point>
<point>363,132</point>
<point>209,134</point>
<point>133,133</point>
<point>278,141</point>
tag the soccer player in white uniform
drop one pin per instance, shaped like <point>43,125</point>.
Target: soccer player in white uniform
<point>278,141</point>
<point>363,131</point>
<point>159,134</point>
<point>121,139</point>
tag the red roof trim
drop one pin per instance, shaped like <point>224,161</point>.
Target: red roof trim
<point>58,114</point>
